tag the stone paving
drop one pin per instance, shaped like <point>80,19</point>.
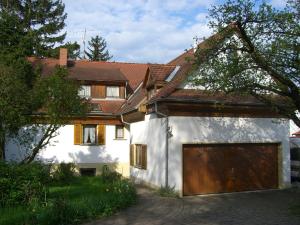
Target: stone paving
<point>255,208</point>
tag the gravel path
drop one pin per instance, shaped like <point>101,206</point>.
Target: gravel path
<point>255,208</point>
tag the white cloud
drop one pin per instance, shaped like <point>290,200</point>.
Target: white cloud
<point>139,30</point>
<point>278,3</point>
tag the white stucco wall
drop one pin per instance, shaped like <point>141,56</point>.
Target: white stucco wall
<point>188,130</point>
<point>62,149</point>
<point>152,133</point>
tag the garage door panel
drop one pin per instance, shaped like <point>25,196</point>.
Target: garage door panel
<point>228,168</point>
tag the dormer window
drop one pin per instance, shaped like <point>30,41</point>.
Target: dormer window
<point>96,107</point>
<point>85,91</point>
<point>112,92</point>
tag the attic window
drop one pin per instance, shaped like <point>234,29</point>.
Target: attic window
<point>112,92</point>
<point>171,76</point>
<point>84,91</point>
<point>96,107</point>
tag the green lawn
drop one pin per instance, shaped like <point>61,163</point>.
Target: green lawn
<point>83,199</point>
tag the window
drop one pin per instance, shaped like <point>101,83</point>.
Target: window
<point>138,156</point>
<point>89,134</point>
<point>84,91</point>
<point>119,131</point>
<point>112,92</point>
<point>89,172</point>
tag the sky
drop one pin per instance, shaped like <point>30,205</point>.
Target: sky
<point>143,31</point>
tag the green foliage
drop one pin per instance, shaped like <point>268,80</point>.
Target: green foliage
<point>23,184</point>
<point>85,198</point>
<point>24,93</point>
<point>64,173</point>
<point>256,52</point>
<point>58,97</point>
<point>167,192</point>
<point>34,25</point>
<point>108,176</point>
<point>97,49</point>
<point>73,50</point>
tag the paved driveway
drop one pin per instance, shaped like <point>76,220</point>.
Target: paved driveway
<point>256,208</point>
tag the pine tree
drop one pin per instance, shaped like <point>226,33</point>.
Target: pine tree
<point>97,49</point>
<point>41,22</point>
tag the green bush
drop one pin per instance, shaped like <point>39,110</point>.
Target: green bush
<point>65,172</point>
<point>83,199</point>
<point>22,184</point>
<point>108,176</point>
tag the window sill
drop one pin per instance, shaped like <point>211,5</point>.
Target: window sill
<point>138,167</point>
<point>120,139</point>
<point>90,145</point>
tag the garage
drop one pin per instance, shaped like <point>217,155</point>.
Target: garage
<point>221,168</point>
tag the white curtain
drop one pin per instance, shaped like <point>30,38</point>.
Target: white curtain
<point>112,92</point>
<point>120,132</point>
<point>92,135</point>
<point>89,135</point>
<point>85,91</point>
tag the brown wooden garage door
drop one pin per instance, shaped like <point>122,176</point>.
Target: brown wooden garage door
<point>217,168</point>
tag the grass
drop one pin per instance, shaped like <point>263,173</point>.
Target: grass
<point>83,199</point>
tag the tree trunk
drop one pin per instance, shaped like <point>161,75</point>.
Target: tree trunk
<point>2,144</point>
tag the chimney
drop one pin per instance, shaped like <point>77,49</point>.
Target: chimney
<point>63,56</point>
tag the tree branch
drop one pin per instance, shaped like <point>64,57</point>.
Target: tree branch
<point>49,134</point>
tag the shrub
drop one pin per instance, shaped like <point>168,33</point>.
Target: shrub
<point>22,184</point>
<point>167,192</point>
<point>83,199</point>
<point>108,176</point>
<point>65,172</point>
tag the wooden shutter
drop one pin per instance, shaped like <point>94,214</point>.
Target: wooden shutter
<point>77,134</point>
<point>131,155</point>
<point>144,156</point>
<point>101,134</point>
<point>122,92</point>
<point>98,91</point>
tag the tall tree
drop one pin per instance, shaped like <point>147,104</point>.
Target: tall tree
<point>14,87</point>
<point>256,52</point>
<point>97,49</point>
<point>31,105</point>
<point>34,106</point>
<point>40,22</point>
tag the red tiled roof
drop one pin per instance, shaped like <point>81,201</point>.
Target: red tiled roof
<point>183,58</point>
<point>135,100</point>
<point>212,97</point>
<point>84,70</point>
<point>104,71</point>
<point>179,78</point>
<point>160,72</point>
<point>134,72</point>
<point>109,106</point>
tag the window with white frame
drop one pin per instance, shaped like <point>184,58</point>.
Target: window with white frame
<point>84,91</point>
<point>89,134</point>
<point>112,92</point>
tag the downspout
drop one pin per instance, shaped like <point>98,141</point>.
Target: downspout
<point>167,145</point>
<point>123,121</point>
<point>125,94</point>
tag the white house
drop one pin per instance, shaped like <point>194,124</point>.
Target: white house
<point>148,124</point>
